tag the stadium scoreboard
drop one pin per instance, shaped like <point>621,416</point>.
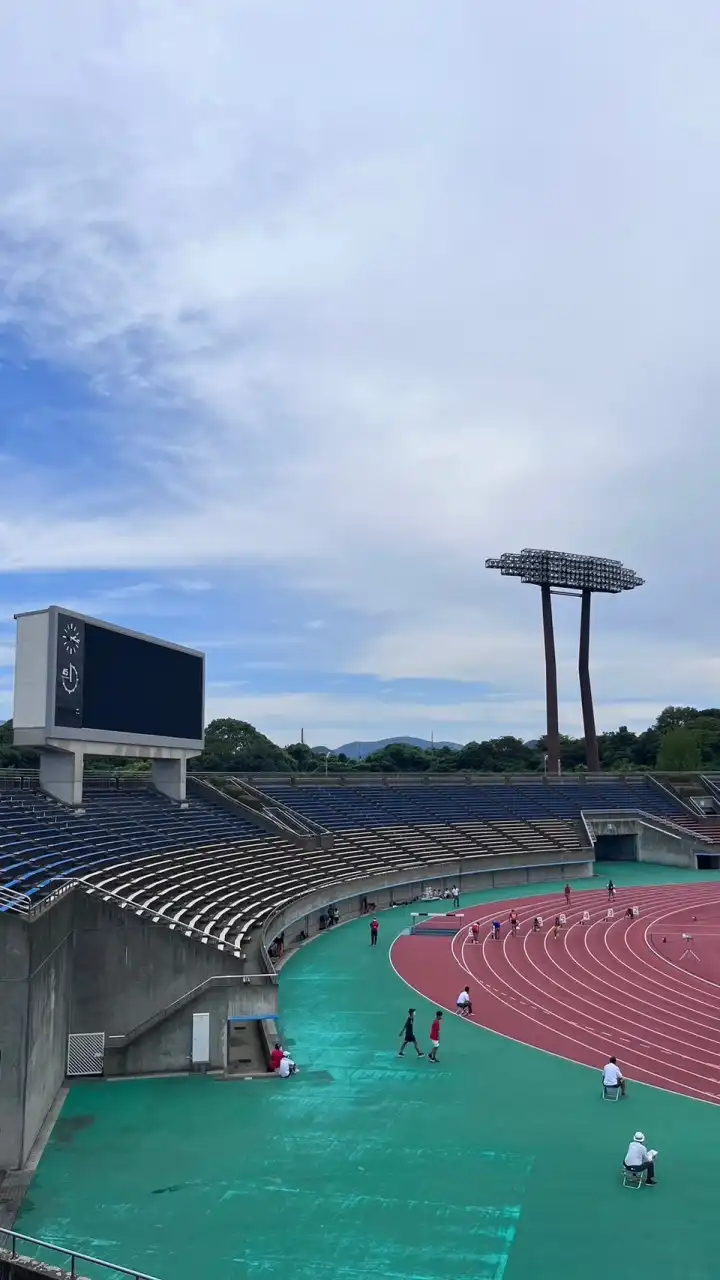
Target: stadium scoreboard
<point>87,681</point>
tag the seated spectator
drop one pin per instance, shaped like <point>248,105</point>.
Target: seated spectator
<point>639,1160</point>
<point>613,1077</point>
<point>276,1057</point>
<point>287,1067</point>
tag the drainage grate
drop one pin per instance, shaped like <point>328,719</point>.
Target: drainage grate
<point>86,1053</point>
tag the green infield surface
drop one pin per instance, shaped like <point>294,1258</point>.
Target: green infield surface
<point>501,1161</point>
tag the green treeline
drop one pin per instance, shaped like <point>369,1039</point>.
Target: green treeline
<point>681,739</point>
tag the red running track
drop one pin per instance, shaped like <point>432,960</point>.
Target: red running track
<point>600,987</point>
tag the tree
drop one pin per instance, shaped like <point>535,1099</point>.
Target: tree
<point>398,757</point>
<point>675,718</point>
<point>679,751</point>
<point>15,757</point>
<point>235,746</point>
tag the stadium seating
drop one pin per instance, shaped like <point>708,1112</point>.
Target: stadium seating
<point>348,807</point>
<point>205,869</point>
<point>202,868</point>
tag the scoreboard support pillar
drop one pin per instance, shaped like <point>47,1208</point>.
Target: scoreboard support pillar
<point>61,775</point>
<point>169,778</point>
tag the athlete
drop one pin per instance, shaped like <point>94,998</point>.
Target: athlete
<point>408,1034</point>
<point>463,1003</point>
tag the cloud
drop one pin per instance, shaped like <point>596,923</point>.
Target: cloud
<point>375,292</point>
<point>334,720</point>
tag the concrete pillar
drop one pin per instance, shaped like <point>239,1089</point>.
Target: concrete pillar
<point>168,777</point>
<point>551,687</point>
<point>61,775</point>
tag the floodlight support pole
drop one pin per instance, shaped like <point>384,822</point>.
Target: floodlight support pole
<point>551,689</point>
<point>592,754</point>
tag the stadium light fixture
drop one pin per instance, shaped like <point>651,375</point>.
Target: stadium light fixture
<point>564,573</point>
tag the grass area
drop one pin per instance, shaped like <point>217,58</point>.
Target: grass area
<point>500,1162</point>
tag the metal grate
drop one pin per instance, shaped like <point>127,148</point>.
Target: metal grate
<point>86,1053</point>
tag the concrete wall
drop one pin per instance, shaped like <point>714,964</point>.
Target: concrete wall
<point>14,971</point>
<point>669,847</point>
<point>48,1016</point>
<point>659,846</point>
<point>35,980</point>
<point>126,970</point>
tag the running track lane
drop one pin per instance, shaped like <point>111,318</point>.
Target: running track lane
<point>599,988</point>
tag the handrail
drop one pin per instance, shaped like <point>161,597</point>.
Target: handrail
<point>270,823</point>
<point>215,980</point>
<point>16,901</point>
<point>72,1254</point>
<point>709,781</point>
<point>673,796</point>
<point>157,917</point>
<point>588,832</point>
<point>649,819</point>
<point>311,827</point>
<point>52,897</point>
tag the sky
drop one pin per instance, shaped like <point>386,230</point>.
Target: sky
<point>307,309</point>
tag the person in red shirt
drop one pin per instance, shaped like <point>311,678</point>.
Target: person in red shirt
<point>435,1036</point>
<point>276,1057</point>
<point>475,928</point>
<point>513,922</point>
<point>374,930</point>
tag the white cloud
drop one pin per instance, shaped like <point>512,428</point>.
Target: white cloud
<point>623,665</point>
<point>417,286</point>
<point>333,720</point>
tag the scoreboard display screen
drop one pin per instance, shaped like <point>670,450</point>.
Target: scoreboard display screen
<point>113,682</point>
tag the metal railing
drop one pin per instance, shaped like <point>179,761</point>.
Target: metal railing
<point>158,917</point>
<point>14,901</point>
<point>656,820</point>
<point>110,1268</point>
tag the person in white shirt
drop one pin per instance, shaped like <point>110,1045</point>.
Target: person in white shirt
<point>287,1067</point>
<point>613,1077</point>
<point>639,1159</point>
<point>464,1003</point>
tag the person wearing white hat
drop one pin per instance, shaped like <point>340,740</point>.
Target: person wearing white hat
<point>639,1160</point>
<point>287,1067</point>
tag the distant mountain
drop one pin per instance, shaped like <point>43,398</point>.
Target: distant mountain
<point>359,750</point>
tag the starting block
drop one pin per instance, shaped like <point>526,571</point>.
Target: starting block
<point>540,921</point>
<point>636,911</point>
<point>563,920</point>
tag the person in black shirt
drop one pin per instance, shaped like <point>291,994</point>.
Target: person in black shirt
<point>408,1034</point>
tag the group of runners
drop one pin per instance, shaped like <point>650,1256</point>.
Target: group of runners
<point>463,1004</point>
<point>473,933</point>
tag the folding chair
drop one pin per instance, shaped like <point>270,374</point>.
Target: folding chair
<point>633,1179</point>
<point>611,1092</point>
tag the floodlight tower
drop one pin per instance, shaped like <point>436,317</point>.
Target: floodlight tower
<point>558,573</point>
